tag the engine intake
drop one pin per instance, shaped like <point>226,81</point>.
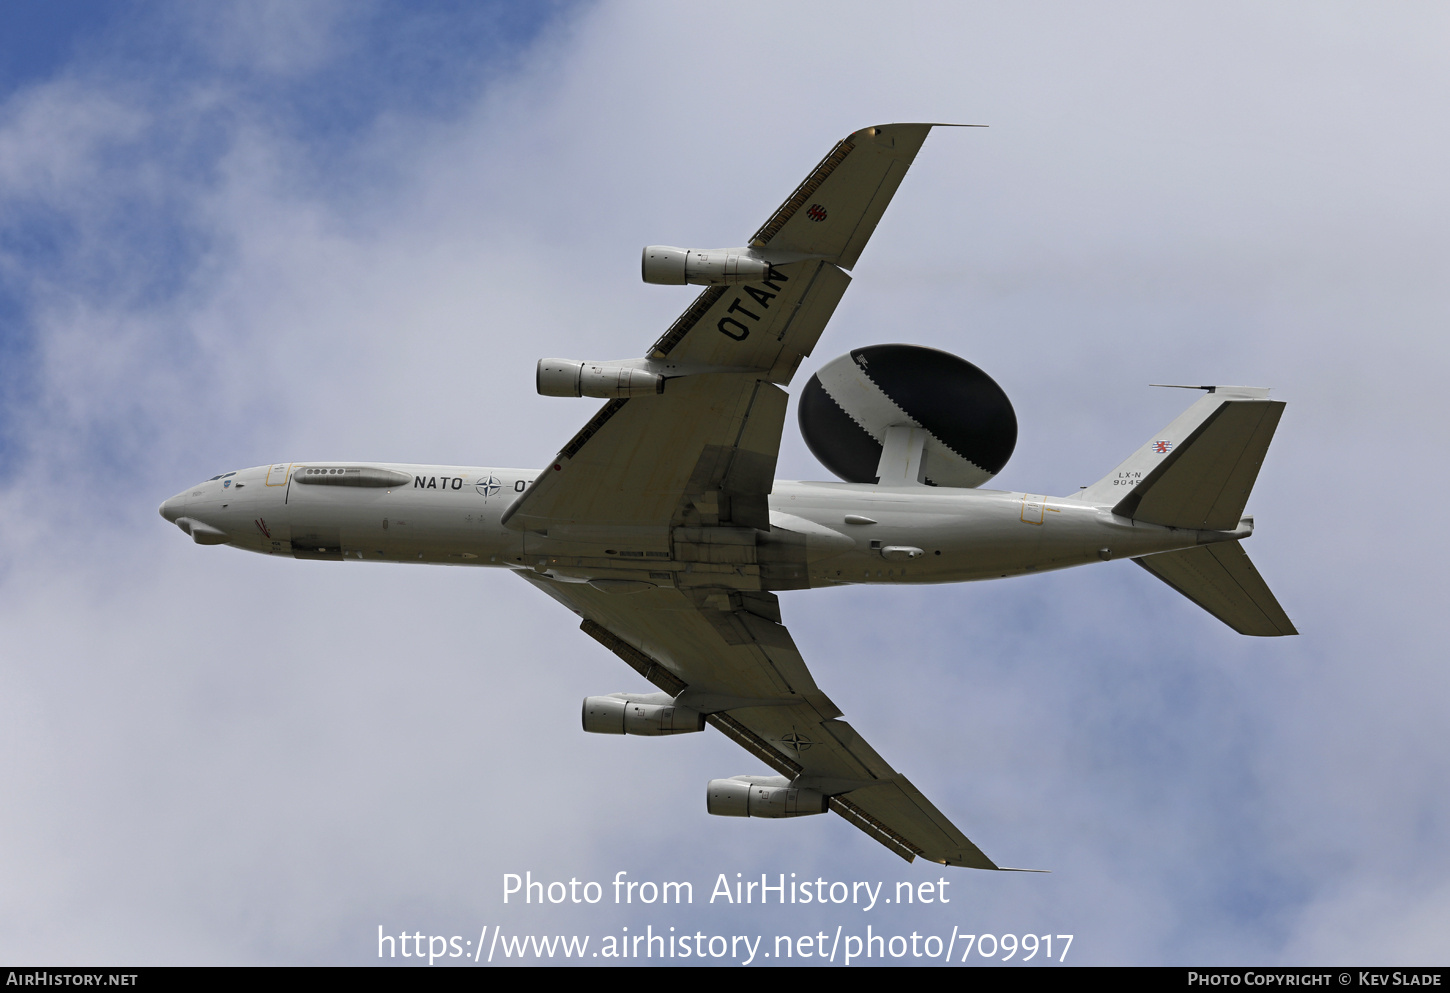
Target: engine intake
<point>702,266</point>
<point>761,796</point>
<point>647,714</point>
<point>609,380</point>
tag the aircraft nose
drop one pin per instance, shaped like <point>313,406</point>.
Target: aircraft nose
<point>173,508</point>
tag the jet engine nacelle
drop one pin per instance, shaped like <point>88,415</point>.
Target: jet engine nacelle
<point>702,266</point>
<point>761,796</point>
<point>649,714</point>
<point>572,378</point>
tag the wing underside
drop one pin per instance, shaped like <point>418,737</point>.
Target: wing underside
<point>653,522</point>
<point>729,655</point>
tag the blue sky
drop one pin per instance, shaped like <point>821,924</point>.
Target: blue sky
<point>320,76</point>
<point>42,38</point>
<point>246,232</point>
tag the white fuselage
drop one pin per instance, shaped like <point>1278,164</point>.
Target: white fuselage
<point>823,534</point>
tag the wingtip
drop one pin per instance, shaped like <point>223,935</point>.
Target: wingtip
<point>871,131</point>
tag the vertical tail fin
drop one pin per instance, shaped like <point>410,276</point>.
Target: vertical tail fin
<point>1198,471</point>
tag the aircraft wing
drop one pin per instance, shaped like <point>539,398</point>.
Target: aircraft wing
<point>728,652</point>
<point>665,498</point>
<point>703,452</point>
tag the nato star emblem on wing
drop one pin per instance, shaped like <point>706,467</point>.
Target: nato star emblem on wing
<point>797,741</point>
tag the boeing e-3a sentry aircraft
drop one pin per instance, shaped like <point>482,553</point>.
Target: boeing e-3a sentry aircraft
<point>662,525</point>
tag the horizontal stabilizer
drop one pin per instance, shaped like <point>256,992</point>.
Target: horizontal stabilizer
<point>1204,482</point>
<point>1221,579</point>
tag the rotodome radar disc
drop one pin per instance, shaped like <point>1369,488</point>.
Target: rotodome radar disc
<point>847,406</point>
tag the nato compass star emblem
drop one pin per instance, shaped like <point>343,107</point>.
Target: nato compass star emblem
<point>488,486</point>
<point>797,741</point>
